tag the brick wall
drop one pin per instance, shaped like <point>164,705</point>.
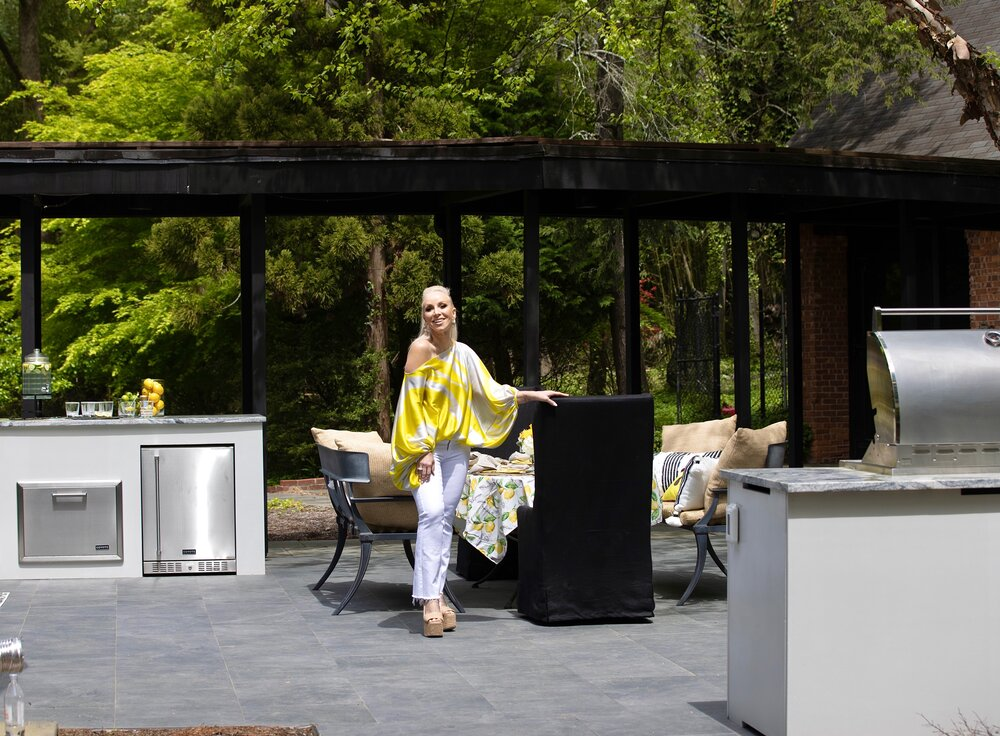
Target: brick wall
<point>984,273</point>
<point>302,484</point>
<point>825,377</point>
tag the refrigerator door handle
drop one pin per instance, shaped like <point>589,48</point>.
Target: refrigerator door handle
<point>156,478</point>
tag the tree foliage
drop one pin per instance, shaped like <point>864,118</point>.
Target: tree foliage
<point>126,299</point>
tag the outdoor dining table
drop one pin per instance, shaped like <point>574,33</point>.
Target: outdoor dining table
<point>487,512</point>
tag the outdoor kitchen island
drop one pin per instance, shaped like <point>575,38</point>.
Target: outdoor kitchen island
<point>862,603</point>
<point>80,498</point>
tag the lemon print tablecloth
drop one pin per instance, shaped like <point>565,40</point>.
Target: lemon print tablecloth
<point>488,509</point>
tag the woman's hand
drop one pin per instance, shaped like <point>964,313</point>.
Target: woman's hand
<point>545,397</point>
<point>425,467</point>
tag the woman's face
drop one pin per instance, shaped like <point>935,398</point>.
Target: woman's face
<point>439,312</point>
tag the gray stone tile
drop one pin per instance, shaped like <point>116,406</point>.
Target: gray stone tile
<point>100,717</point>
<point>223,650</point>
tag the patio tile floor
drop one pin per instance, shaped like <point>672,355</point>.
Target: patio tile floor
<point>231,650</point>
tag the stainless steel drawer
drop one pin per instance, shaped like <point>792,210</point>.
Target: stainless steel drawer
<point>69,521</point>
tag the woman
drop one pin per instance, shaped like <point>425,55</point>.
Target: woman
<point>448,404</point>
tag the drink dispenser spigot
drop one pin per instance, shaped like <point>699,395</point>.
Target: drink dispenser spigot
<point>36,376</point>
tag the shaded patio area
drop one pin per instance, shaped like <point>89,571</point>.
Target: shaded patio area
<point>228,650</point>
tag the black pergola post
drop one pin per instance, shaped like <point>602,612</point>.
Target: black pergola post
<point>741,311</point>
<point>449,226</point>
<point>532,341</point>
<point>253,310</point>
<point>633,344</point>
<point>31,287</point>
<point>793,321</point>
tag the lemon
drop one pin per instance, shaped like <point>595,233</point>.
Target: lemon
<point>148,384</point>
<point>490,526</point>
<point>508,493</point>
<point>153,396</point>
<point>159,405</point>
<point>477,526</point>
<point>158,387</point>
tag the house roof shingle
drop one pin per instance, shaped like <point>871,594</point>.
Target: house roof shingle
<point>927,126</point>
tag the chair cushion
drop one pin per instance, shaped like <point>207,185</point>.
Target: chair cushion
<point>381,517</point>
<point>746,449</point>
<point>697,436</point>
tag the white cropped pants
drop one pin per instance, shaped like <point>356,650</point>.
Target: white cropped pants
<point>436,502</point>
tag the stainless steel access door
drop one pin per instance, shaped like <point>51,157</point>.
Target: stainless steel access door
<point>188,509</point>
<point>69,521</point>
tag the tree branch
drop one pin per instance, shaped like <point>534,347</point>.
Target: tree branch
<point>8,57</point>
<point>976,80</point>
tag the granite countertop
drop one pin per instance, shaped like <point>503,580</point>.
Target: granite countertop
<point>51,422</point>
<point>827,479</point>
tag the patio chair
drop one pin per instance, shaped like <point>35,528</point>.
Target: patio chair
<point>584,545</point>
<point>342,469</point>
<point>713,521</point>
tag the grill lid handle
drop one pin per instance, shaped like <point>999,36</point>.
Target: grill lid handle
<point>877,313</point>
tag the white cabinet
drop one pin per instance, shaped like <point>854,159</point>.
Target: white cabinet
<point>76,453</point>
<point>863,604</point>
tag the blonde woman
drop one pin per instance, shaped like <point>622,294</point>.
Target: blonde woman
<point>448,404</point>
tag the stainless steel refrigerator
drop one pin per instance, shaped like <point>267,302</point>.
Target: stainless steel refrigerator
<point>188,509</point>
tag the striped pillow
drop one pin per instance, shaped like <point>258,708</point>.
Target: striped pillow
<point>668,467</point>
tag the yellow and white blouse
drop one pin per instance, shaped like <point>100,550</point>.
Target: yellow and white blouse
<point>450,397</point>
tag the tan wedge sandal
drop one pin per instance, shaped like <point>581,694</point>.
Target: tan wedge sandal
<point>448,618</point>
<point>433,624</point>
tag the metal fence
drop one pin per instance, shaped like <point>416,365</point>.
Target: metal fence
<point>697,355</point>
<point>697,361</point>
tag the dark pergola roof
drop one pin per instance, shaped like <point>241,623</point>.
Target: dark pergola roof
<point>490,176</point>
<point>525,177</point>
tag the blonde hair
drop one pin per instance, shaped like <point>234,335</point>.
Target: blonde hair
<point>424,329</point>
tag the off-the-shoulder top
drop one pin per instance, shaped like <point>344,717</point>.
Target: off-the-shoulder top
<point>450,397</point>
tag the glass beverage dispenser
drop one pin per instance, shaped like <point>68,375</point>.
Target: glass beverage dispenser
<point>36,376</point>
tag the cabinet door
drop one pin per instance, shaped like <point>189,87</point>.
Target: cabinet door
<point>188,503</point>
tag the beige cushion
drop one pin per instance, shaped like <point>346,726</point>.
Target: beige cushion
<point>381,517</point>
<point>697,436</point>
<point>746,449</point>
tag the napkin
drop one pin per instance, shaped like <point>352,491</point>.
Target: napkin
<point>478,462</point>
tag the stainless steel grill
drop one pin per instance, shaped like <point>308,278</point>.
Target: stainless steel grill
<point>935,396</point>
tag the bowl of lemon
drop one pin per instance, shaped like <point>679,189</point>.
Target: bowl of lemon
<point>151,402</point>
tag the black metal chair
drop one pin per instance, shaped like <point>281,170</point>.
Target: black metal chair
<point>342,469</point>
<point>704,527</point>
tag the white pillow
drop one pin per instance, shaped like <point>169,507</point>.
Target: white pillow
<point>667,466</point>
<point>692,493</point>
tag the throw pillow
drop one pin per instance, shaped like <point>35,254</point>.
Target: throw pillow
<point>667,467</point>
<point>692,490</point>
<point>697,436</point>
<point>668,471</point>
<point>747,448</point>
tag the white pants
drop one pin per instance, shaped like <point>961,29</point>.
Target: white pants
<point>436,502</point>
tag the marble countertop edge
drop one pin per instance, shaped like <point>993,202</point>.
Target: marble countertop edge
<point>68,422</point>
<point>829,479</point>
